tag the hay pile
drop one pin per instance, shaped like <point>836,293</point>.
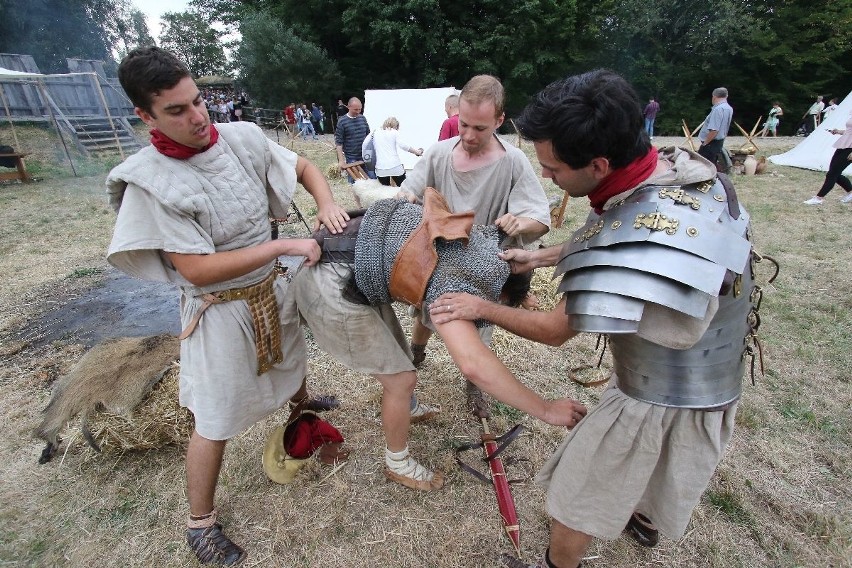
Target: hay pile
<point>545,288</point>
<point>333,172</point>
<point>157,422</point>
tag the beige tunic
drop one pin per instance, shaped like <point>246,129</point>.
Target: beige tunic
<point>509,185</point>
<point>367,339</point>
<point>218,200</point>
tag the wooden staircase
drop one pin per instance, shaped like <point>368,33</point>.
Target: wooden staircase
<point>96,135</point>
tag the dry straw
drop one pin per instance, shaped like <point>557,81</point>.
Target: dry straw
<point>158,421</point>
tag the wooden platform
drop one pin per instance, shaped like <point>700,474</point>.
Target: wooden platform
<point>21,174</point>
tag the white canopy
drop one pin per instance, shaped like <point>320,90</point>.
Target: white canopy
<point>815,151</point>
<point>420,113</point>
<point>10,73</point>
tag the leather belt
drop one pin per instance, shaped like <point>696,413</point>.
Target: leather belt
<point>263,306</point>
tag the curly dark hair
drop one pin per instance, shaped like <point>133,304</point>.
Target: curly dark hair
<point>516,288</point>
<point>146,71</point>
<point>596,114</point>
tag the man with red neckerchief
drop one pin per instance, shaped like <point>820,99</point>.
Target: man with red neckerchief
<point>661,267</point>
<point>193,209</point>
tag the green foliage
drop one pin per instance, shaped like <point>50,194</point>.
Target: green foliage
<point>729,503</point>
<point>279,67</point>
<point>676,50</point>
<point>511,413</point>
<point>426,43</point>
<point>793,409</point>
<point>195,41</point>
<point>53,30</point>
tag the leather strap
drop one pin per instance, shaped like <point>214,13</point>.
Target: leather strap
<point>209,300</point>
<point>733,200</point>
<point>263,307</point>
<point>340,247</point>
<point>417,258</point>
<point>502,443</point>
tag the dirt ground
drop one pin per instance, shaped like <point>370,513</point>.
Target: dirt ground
<point>780,498</point>
<point>115,306</point>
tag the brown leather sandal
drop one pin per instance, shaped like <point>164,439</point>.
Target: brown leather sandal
<point>211,546</point>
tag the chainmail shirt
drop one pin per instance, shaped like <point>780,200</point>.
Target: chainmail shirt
<point>471,267</point>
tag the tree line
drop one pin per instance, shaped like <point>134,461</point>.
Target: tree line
<point>674,50</point>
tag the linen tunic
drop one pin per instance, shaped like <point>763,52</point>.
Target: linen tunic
<point>218,200</point>
<point>509,185</point>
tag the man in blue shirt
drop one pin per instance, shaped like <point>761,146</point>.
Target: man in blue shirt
<point>352,128</point>
<point>716,125</point>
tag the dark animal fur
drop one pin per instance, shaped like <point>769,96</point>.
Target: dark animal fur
<point>115,375</point>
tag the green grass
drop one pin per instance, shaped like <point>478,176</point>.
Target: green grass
<point>730,504</point>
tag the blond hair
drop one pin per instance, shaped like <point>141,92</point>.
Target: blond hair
<point>390,122</point>
<point>484,88</point>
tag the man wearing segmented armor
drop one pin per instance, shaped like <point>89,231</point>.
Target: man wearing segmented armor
<point>662,268</point>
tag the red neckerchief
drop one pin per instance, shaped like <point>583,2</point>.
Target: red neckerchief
<point>622,179</point>
<point>172,149</point>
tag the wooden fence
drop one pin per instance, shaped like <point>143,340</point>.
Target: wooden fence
<point>74,94</point>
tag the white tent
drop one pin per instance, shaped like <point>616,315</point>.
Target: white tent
<point>815,151</point>
<point>420,113</point>
<point>11,73</point>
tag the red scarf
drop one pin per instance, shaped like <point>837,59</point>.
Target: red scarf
<point>172,149</point>
<point>622,179</point>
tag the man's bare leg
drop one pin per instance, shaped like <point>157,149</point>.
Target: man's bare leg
<point>204,535</point>
<point>203,462</point>
<point>396,420</point>
<point>567,546</point>
<point>420,335</point>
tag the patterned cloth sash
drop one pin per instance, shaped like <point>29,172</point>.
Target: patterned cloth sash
<point>263,306</point>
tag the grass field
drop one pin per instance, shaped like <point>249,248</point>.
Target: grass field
<point>781,497</point>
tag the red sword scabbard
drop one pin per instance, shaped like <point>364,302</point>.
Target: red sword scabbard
<point>505,501</point>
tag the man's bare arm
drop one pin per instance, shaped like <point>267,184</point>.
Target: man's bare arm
<point>550,328</point>
<point>529,228</point>
<point>482,367</point>
<point>329,213</point>
<point>206,269</point>
<point>521,260</point>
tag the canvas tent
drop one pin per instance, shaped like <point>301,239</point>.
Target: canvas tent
<point>815,151</point>
<point>420,113</point>
<point>12,73</point>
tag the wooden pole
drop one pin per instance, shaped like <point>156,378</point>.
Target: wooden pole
<point>560,213</point>
<point>689,134</point>
<point>754,129</point>
<point>518,131</point>
<point>56,124</point>
<point>109,115</point>
<point>697,128</point>
<point>748,138</point>
<point>9,116</point>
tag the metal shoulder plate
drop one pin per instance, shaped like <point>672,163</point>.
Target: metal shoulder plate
<point>670,245</point>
